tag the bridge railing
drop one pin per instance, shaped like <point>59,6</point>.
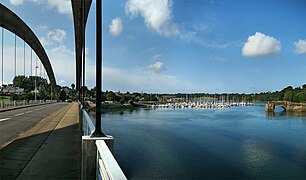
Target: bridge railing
<point>5,104</point>
<point>107,166</point>
<point>98,161</point>
<point>88,126</point>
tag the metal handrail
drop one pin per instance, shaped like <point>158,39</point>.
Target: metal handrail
<point>107,166</point>
<point>88,127</point>
<point>4,104</point>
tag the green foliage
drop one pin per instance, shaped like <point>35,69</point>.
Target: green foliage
<point>300,96</point>
<point>63,96</point>
<point>122,100</point>
<point>131,102</point>
<point>28,84</point>
<point>287,94</point>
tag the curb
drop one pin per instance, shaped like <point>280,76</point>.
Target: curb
<point>21,107</point>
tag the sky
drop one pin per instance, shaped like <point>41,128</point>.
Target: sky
<point>172,46</point>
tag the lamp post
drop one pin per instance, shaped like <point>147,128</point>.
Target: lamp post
<point>35,90</point>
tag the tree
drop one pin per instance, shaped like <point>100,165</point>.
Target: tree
<point>288,96</point>
<point>72,86</point>
<point>300,96</point>
<point>122,100</point>
<point>110,96</point>
<point>63,96</point>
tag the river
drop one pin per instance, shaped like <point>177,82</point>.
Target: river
<point>234,143</point>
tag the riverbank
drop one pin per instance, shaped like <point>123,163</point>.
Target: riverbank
<point>112,107</point>
<point>287,106</point>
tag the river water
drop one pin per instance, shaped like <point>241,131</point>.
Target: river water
<point>234,143</point>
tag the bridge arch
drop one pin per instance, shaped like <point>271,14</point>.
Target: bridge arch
<point>10,21</point>
<point>281,106</point>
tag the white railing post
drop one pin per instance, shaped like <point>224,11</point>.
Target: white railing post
<point>89,155</point>
<point>91,158</point>
<point>107,166</point>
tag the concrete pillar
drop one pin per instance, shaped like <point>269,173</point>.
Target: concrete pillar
<point>270,107</point>
<point>89,154</point>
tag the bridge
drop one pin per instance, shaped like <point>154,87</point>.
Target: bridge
<point>287,106</point>
<point>50,139</point>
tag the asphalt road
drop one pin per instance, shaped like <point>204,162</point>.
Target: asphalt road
<point>14,122</point>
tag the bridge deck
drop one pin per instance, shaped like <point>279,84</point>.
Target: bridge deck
<point>49,150</point>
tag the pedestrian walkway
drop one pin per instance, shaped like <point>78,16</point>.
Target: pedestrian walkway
<point>49,150</point>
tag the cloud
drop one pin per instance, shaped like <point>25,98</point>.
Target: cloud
<point>62,6</point>
<point>300,47</point>
<point>44,41</point>
<point>63,49</point>
<point>156,13</point>
<point>201,27</point>
<point>260,45</point>
<point>58,35</point>
<point>216,58</point>
<point>62,60</point>
<point>62,82</point>
<point>137,80</point>
<point>192,37</point>
<point>16,2</point>
<point>116,27</point>
<point>54,36</point>
<point>156,67</point>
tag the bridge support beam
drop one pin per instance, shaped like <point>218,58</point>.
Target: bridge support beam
<point>270,107</point>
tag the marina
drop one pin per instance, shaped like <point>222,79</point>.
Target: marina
<point>202,105</point>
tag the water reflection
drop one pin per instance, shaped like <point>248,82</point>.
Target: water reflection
<point>121,111</point>
<point>275,115</point>
<point>257,160</point>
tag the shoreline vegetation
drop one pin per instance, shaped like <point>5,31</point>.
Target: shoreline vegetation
<point>23,89</point>
<point>127,101</point>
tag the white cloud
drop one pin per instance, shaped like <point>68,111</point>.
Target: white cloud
<point>44,41</point>
<point>300,47</point>
<point>116,27</point>
<point>62,6</point>
<point>58,35</point>
<point>201,27</point>
<point>156,13</point>
<point>16,2</point>
<point>62,60</point>
<point>260,45</point>
<point>216,58</point>
<point>156,67</point>
<point>137,80</point>
<point>192,37</point>
<point>54,36</point>
<point>62,82</point>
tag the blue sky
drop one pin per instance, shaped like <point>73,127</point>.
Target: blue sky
<point>176,46</point>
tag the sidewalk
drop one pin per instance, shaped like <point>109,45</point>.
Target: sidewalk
<point>50,150</point>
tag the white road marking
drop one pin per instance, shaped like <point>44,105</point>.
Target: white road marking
<point>19,114</point>
<point>5,119</point>
<point>28,111</point>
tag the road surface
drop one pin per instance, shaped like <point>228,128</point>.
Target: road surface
<point>14,122</point>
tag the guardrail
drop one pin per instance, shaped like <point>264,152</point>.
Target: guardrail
<point>88,127</point>
<point>97,159</point>
<point>5,104</point>
<point>108,167</point>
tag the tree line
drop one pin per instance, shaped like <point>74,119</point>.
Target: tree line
<point>297,94</point>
